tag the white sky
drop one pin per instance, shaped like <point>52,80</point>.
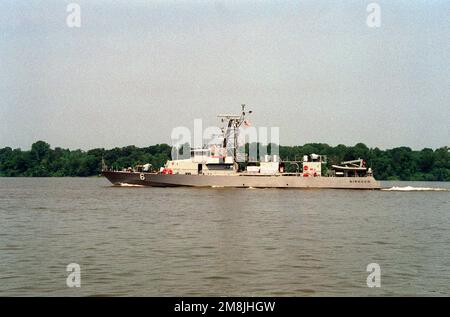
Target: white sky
<point>137,69</point>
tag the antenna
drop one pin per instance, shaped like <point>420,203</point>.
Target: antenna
<point>243,109</point>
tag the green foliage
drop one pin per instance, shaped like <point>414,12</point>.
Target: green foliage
<point>42,161</point>
<point>400,163</point>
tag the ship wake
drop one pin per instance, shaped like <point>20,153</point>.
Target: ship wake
<point>414,189</point>
<point>129,185</point>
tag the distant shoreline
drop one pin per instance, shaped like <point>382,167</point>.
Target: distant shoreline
<point>397,164</point>
<point>100,176</point>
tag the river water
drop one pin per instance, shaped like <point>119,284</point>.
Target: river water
<point>137,241</point>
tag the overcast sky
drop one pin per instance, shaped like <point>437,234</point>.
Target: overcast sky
<point>134,70</point>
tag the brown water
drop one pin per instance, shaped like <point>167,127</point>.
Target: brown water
<point>184,241</point>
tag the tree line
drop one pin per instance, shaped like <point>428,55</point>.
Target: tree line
<point>400,163</point>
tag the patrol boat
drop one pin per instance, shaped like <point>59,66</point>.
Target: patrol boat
<point>218,166</point>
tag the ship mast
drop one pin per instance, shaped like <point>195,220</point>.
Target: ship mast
<point>234,123</point>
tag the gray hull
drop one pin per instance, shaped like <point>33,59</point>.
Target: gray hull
<point>243,181</point>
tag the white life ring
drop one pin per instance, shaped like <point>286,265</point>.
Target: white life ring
<point>142,176</point>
